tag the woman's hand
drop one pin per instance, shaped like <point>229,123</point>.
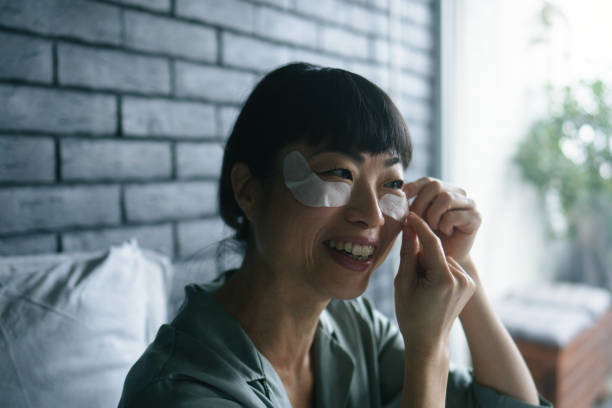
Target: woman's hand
<point>431,288</point>
<point>449,212</point>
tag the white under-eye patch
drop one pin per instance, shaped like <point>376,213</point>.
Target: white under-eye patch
<point>394,206</point>
<point>309,189</point>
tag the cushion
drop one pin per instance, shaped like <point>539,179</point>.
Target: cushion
<point>72,326</point>
<point>553,314</point>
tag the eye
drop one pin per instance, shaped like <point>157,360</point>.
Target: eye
<point>395,184</point>
<point>338,172</point>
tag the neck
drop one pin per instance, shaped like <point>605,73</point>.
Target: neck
<point>276,309</point>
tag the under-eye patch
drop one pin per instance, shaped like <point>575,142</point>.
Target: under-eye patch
<point>309,189</point>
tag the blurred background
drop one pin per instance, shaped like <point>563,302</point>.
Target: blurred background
<point>113,116</point>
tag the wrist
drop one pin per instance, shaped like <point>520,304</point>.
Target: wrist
<point>476,307</point>
<point>425,377</point>
<point>468,265</point>
<point>427,352</point>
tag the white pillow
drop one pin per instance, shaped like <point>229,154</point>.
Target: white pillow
<point>69,333</point>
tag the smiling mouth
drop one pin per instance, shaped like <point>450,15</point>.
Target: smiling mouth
<point>355,251</point>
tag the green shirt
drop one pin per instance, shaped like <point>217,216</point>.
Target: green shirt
<point>205,359</point>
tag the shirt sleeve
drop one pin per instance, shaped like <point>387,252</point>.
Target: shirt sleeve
<point>178,394</point>
<point>461,391</point>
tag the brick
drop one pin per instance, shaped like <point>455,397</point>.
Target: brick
<point>160,117</point>
<point>414,60</point>
<point>416,85</point>
<point>380,4</point>
<point>378,74</point>
<point>318,58</point>
<point>29,244</point>
<point>73,18</point>
<point>344,43</point>
<point>420,161</point>
<point>97,68</point>
<point>419,13</point>
<point>227,118</point>
<point>199,159</point>
<point>418,37</point>
<point>159,5</point>
<point>25,58</point>
<point>415,110</point>
<point>198,236</point>
<point>248,52</point>
<point>278,3</point>
<point>285,27</point>
<point>161,201</point>
<point>227,13</point>
<point>167,36</point>
<point>27,108</point>
<point>419,133</point>
<point>219,84</point>
<point>382,51</point>
<point>114,159</point>
<point>329,10</point>
<point>157,237</point>
<point>33,208</point>
<point>27,159</point>
<point>366,20</point>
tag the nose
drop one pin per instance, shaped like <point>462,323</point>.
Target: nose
<point>363,208</point>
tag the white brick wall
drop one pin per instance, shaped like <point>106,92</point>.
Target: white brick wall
<point>113,113</point>
<point>34,208</point>
<point>27,159</point>
<point>163,117</point>
<point>89,21</point>
<point>25,58</point>
<point>97,160</point>
<point>110,69</point>
<point>171,200</point>
<point>54,110</point>
<point>165,35</point>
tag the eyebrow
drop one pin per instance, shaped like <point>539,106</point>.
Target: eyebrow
<point>358,157</point>
<point>392,161</point>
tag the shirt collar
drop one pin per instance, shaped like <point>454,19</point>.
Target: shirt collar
<point>229,348</point>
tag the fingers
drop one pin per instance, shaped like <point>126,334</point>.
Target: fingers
<point>408,270</point>
<point>433,253</point>
<point>410,245</point>
<point>466,221</point>
<point>444,202</point>
<point>429,191</point>
<point>411,189</point>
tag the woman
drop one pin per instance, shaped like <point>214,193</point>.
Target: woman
<point>312,182</point>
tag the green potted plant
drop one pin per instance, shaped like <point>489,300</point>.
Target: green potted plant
<point>567,156</point>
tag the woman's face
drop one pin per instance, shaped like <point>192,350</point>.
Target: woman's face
<point>309,244</point>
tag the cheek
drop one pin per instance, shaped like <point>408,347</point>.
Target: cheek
<point>292,228</point>
<point>391,229</point>
<point>388,234</point>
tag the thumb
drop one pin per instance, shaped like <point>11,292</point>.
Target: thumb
<point>410,248</point>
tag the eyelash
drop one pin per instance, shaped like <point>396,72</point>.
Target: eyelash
<point>346,174</point>
<point>397,184</point>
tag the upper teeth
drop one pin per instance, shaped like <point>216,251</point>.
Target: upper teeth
<point>355,249</point>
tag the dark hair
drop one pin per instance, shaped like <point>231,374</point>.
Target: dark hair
<point>307,103</point>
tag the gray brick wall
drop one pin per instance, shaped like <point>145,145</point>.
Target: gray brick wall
<point>113,113</point>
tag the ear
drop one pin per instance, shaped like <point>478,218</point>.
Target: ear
<point>246,189</point>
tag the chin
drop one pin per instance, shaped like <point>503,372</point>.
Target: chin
<point>349,289</point>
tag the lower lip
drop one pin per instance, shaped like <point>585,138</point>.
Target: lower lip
<point>349,262</point>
